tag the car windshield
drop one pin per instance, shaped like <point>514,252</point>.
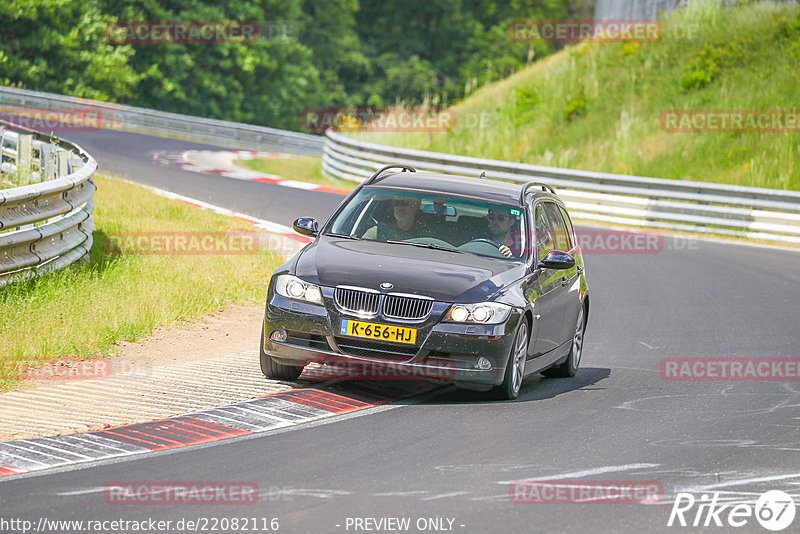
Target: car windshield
<point>435,221</point>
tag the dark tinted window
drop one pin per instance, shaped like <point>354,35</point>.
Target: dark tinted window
<point>562,241</point>
<point>570,229</point>
<point>471,225</point>
<point>545,242</point>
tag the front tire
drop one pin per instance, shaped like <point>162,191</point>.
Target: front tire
<point>273,369</point>
<point>570,366</point>
<point>515,368</point>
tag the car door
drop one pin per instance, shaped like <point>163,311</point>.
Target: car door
<point>573,293</point>
<point>568,295</point>
<point>548,306</point>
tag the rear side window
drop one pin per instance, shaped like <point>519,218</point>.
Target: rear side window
<point>570,229</point>
<point>561,237</point>
<point>545,242</point>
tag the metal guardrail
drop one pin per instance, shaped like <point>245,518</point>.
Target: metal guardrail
<point>46,221</point>
<point>130,118</point>
<point>698,207</point>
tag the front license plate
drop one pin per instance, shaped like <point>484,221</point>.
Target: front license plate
<point>384,332</point>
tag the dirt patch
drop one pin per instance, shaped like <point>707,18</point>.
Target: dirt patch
<point>230,330</point>
<point>177,369</point>
<point>235,328</point>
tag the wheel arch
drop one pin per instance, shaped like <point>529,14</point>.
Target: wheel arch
<point>528,317</point>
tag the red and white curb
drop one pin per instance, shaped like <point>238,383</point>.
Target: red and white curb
<point>284,409</point>
<point>223,163</point>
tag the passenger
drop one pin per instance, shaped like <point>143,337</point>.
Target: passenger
<point>406,223</point>
<point>500,223</point>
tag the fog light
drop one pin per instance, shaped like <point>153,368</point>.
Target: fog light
<point>278,335</point>
<point>483,364</point>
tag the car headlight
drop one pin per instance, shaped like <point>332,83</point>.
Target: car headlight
<point>482,313</point>
<point>292,287</point>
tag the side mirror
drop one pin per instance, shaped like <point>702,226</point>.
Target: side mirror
<point>306,226</point>
<point>558,259</point>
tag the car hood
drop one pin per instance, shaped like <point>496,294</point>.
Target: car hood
<point>445,276</point>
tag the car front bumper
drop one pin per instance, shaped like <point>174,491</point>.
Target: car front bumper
<point>445,351</point>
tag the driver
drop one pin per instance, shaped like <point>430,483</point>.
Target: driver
<point>406,223</point>
<point>500,223</point>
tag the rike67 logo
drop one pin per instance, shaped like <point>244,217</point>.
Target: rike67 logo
<point>774,510</point>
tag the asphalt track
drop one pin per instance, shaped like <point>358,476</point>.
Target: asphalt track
<point>452,454</point>
<point>131,155</point>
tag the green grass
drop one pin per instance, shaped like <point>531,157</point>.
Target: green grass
<point>82,311</point>
<point>302,168</point>
<point>597,106</point>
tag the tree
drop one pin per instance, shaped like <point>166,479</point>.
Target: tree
<point>269,81</point>
<point>59,46</point>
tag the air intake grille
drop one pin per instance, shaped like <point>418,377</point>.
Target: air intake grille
<point>313,341</point>
<point>359,302</point>
<point>406,307</point>
<point>377,351</point>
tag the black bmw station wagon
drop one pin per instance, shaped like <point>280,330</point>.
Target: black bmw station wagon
<point>469,280</point>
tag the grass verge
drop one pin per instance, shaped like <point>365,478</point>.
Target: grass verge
<point>80,312</point>
<point>598,106</point>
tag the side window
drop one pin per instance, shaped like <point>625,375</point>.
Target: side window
<point>570,229</point>
<point>561,236</point>
<point>544,233</point>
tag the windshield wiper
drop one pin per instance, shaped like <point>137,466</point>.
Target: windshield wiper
<point>346,236</point>
<point>425,245</point>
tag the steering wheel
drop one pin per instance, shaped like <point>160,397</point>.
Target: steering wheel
<point>484,240</point>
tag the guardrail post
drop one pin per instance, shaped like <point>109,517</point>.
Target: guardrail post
<point>24,158</point>
<point>47,154</point>
<point>3,145</point>
<point>62,161</point>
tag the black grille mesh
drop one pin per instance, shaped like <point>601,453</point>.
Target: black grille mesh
<point>406,307</point>
<point>378,351</point>
<point>353,300</point>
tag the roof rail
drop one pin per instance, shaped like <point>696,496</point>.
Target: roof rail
<point>527,186</point>
<point>387,167</point>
